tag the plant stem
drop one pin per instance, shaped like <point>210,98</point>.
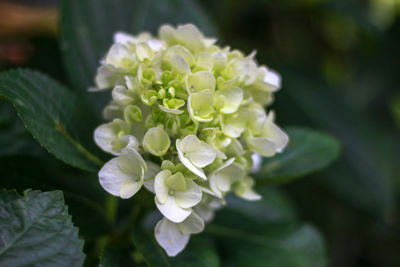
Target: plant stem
<point>111,208</point>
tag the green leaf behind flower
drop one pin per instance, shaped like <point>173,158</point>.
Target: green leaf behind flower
<point>36,230</point>
<point>307,152</point>
<point>52,114</point>
<point>87,29</point>
<point>82,192</point>
<point>274,204</point>
<point>246,242</point>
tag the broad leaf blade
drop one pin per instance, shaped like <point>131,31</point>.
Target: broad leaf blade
<point>37,230</point>
<point>83,193</point>
<point>87,29</point>
<point>307,152</point>
<point>245,242</point>
<point>273,207</point>
<point>14,139</point>
<point>52,114</point>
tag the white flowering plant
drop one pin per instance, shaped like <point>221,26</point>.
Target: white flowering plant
<point>185,121</point>
<point>177,148</point>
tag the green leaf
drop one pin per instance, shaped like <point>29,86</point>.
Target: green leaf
<point>244,242</point>
<point>52,115</point>
<point>275,206</point>
<point>199,252</point>
<point>14,138</point>
<point>307,152</point>
<point>364,176</point>
<point>113,257</point>
<point>87,29</point>
<point>83,194</point>
<point>36,230</point>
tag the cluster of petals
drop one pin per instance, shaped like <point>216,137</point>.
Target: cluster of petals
<point>186,120</point>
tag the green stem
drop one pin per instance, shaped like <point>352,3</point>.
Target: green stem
<point>111,208</point>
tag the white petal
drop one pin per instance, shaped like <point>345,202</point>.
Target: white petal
<point>132,162</point>
<point>170,238</point>
<point>156,45</point>
<point>222,178</point>
<point>112,177</point>
<point>257,160</point>
<point>202,157</point>
<point>261,145</point>
<point>194,224</point>
<point>104,135</point>
<point>131,141</point>
<point>152,170</point>
<point>188,164</point>
<point>107,133</point>
<point>189,143</point>
<point>104,79</point>
<point>128,189</point>
<point>160,188</point>
<point>124,38</point>
<point>274,79</point>
<point>117,54</point>
<point>250,195</point>
<point>279,137</point>
<point>201,80</point>
<point>179,64</point>
<point>213,184</point>
<point>172,211</point>
<point>233,98</point>
<point>190,197</point>
<point>234,124</point>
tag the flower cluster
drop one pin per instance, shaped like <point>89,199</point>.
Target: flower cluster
<point>185,120</point>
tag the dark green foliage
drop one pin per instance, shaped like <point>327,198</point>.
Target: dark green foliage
<point>36,230</point>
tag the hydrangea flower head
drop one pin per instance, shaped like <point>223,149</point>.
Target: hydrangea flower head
<point>186,120</point>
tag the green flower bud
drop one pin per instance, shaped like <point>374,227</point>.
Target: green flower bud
<point>132,114</point>
<point>156,141</point>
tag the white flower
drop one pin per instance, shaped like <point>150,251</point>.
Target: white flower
<point>173,237</point>
<point>268,141</point>
<point>175,195</point>
<point>123,176</point>
<point>222,178</point>
<point>195,154</point>
<point>114,136</point>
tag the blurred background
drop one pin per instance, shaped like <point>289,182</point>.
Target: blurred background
<point>339,63</point>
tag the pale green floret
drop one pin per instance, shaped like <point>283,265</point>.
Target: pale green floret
<point>123,176</point>
<point>156,141</point>
<point>173,237</point>
<point>114,136</point>
<point>201,106</point>
<point>232,98</point>
<point>243,188</point>
<point>201,80</point>
<point>132,113</point>
<point>175,195</point>
<point>195,108</point>
<point>195,154</point>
